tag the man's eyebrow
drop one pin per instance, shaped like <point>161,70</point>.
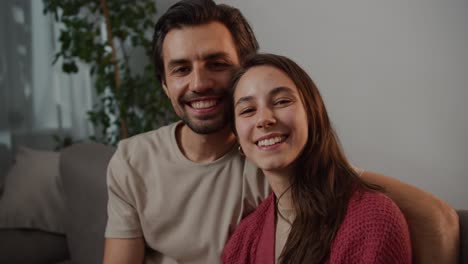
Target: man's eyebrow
<point>210,56</point>
<point>243,100</point>
<point>217,55</point>
<point>175,62</point>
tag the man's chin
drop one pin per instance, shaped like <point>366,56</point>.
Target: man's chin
<point>206,127</point>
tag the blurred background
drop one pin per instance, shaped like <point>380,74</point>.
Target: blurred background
<point>37,99</point>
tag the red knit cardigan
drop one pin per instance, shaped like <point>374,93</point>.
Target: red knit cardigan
<point>373,231</point>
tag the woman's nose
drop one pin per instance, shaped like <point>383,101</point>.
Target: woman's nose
<point>266,119</point>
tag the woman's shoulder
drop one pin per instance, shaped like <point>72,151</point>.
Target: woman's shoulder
<point>372,212</point>
<point>373,229</point>
<point>372,206</point>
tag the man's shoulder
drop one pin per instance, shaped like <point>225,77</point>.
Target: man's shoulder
<point>138,143</point>
<point>242,241</point>
<point>258,216</point>
<point>164,132</point>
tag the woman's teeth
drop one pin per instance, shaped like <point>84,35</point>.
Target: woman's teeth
<point>270,141</point>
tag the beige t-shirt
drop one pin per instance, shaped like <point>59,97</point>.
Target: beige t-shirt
<point>185,211</point>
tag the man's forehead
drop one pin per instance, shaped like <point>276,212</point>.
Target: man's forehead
<point>198,42</point>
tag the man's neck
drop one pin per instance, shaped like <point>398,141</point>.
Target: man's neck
<point>204,148</point>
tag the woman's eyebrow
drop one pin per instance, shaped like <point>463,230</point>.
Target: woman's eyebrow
<point>281,89</point>
<point>244,100</point>
<point>273,92</point>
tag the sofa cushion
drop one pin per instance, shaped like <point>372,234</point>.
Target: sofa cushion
<point>83,171</point>
<point>6,161</point>
<point>32,196</point>
<point>30,246</point>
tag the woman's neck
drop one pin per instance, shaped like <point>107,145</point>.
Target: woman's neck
<point>280,183</point>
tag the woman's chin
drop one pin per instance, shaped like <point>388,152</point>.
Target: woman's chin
<point>272,167</point>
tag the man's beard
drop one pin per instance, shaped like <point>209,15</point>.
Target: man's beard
<point>208,124</point>
<point>205,128</point>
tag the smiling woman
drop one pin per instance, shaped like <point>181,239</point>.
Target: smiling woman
<point>270,118</point>
<point>320,211</point>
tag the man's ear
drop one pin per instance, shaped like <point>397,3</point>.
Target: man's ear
<point>166,91</point>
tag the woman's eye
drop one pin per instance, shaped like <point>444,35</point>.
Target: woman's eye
<point>282,102</point>
<point>246,111</point>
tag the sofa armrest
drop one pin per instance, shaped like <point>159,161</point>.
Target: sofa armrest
<point>463,219</point>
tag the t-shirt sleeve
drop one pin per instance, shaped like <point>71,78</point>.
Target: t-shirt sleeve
<point>256,187</point>
<point>123,220</point>
<point>374,231</point>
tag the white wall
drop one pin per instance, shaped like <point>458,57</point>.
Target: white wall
<point>394,75</point>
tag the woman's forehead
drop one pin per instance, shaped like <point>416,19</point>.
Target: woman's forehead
<point>264,80</point>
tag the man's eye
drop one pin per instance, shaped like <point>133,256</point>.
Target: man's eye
<point>219,65</point>
<point>181,70</point>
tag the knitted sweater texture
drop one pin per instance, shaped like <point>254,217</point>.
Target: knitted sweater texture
<point>373,231</point>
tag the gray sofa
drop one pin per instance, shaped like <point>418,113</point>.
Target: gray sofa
<point>82,171</point>
<point>82,174</point>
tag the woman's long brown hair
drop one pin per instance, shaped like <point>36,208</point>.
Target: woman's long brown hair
<point>323,181</point>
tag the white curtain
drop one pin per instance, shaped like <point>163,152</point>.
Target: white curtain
<point>37,99</point>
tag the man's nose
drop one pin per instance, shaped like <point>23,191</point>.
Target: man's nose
<point>201,80</point>
<point>266,118</point>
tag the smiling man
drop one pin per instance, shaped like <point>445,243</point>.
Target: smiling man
<point>197,77</point>
<point>177,193</point>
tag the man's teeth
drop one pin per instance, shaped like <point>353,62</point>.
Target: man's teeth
<point>203,104</point>
<point>270,141</point>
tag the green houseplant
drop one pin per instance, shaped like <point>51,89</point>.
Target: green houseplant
<point>129,102</point>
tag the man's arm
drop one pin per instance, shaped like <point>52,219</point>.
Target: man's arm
<point>124,251</point>
<point>124,242</point>
<point>433,224</point>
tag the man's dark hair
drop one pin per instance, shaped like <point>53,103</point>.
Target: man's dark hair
<point>199,12</point>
